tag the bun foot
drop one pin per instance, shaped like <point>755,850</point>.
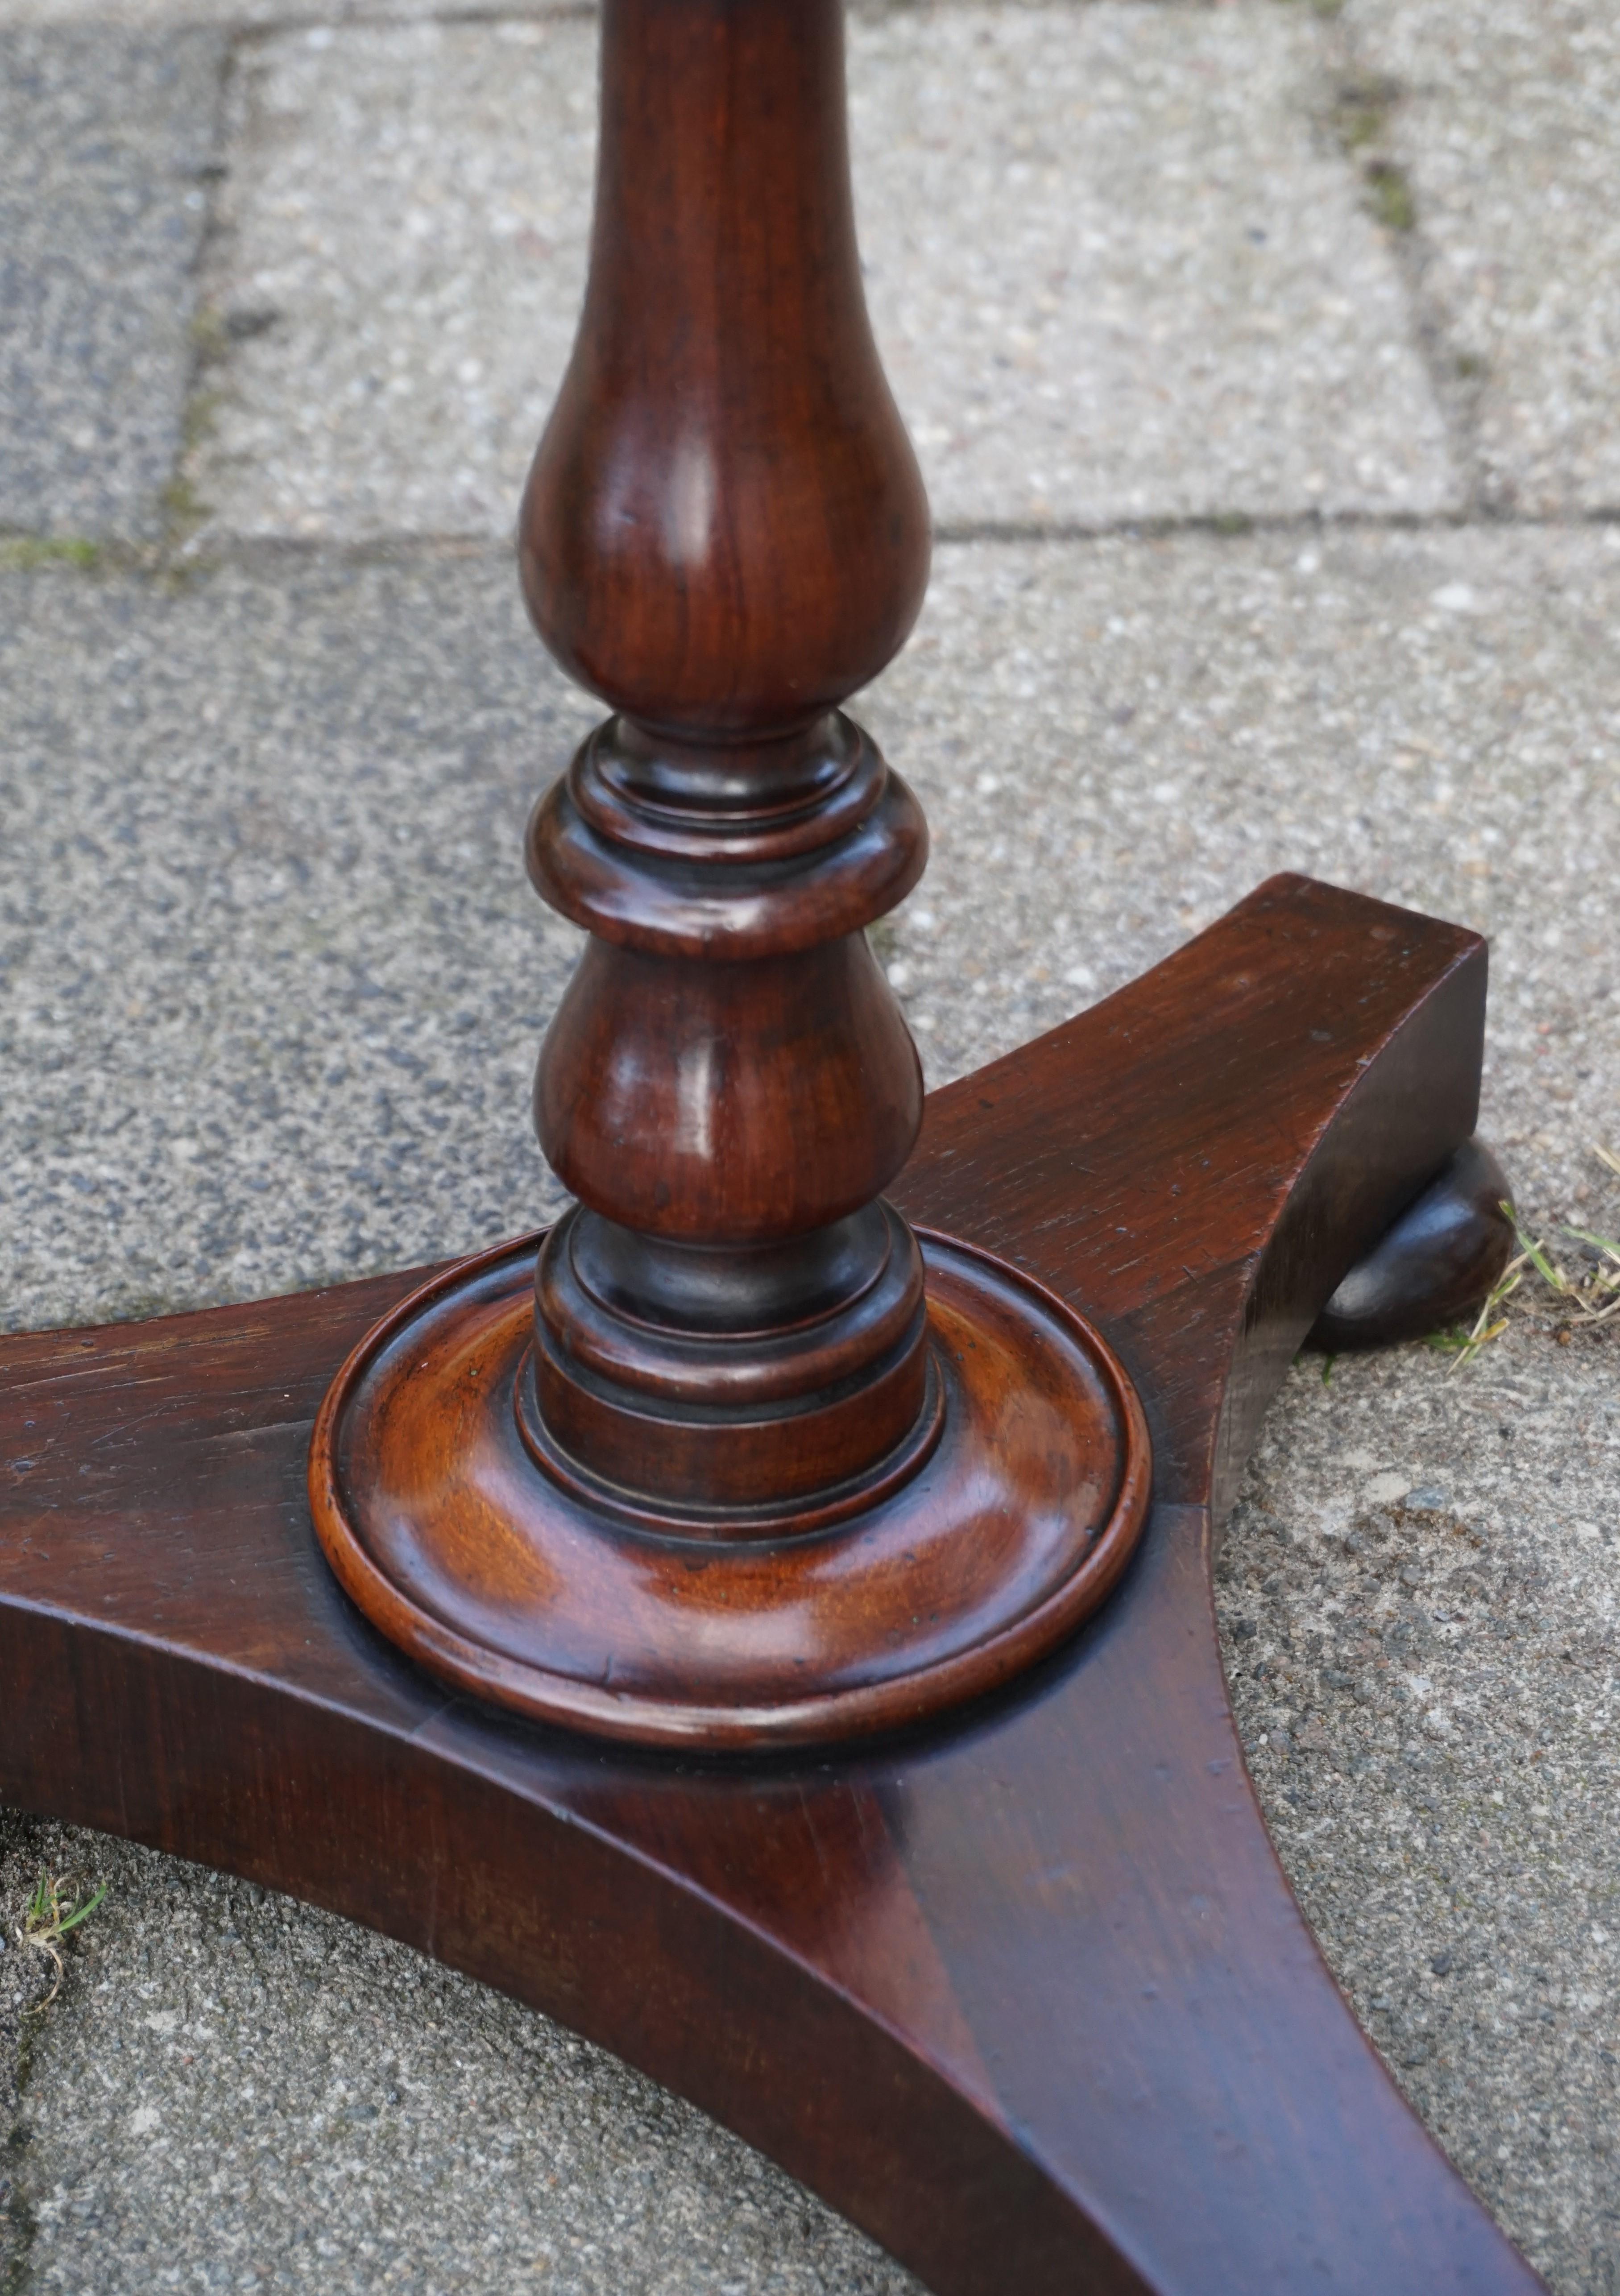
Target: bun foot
<point>1432,1266</point>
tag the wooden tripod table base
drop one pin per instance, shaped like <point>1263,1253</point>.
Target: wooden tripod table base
<point>1023,1990</point>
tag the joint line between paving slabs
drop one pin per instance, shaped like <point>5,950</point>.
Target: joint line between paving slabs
<point>183,513</point>
<point>1363,103</point>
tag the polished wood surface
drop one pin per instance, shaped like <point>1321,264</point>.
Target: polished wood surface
<point>1008,1516</point>
<point>748,1468</point>
<point>1026,1996</point>
<point>1433,1266</point>
<point>724,534</point>
<point>725,530</point>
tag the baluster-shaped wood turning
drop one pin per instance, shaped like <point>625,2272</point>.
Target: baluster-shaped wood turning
<point>736,1462</point>
<point>853,1509</point>
<point>724,535</point>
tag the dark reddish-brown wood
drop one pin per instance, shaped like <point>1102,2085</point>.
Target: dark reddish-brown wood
<point>1007,1518</point>
<point>725,534</point>
<point>1027,1996</point>
<point>735,1474</point>
<point>725,531</point>
<point>1434,1264</point>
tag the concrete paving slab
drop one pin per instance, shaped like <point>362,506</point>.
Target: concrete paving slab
<point>1114,742</point>
<point>1117,275</point>
<point>106,141</point>
<point>1419,1603</point>
<point>273,1082</point>
<point>275,813</point>
<point>1113,272</point>
<point>397,274</point>
<point>1505,118</point>
<point>167,15</point>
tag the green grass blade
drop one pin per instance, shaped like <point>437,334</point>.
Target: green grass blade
<point>82,1912</point>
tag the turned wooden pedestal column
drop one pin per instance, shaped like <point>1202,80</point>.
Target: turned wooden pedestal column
<point>759,1466</point>
<point>724,534</point>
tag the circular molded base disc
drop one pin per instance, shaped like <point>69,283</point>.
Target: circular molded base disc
<point>465,1552</point>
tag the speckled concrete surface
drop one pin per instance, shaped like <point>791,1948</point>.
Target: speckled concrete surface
<point>396,275</point>
<point>266,965</point>
<point>106,139</point>
<point>1505,119</point>
<point>1186,309</point>
<point>239,14</point>
<point>291,1030</point>
<point>1423,1638</point>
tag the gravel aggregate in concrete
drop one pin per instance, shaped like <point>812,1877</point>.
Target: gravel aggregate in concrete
<point>25,1990</point>
<point>396,275</point>
<point>106,144</point>
<point>1114,268</point>
<point>277,812</point>
<point>1118,274</point>
<point>253,14</point>
<point>1423,1641</point>
<point>1505,115</point>
<point>275,977</point>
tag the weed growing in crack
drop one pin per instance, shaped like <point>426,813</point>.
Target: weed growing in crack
<point>23,553</point>
<point>1591,1298</point>
<point>52,1911</point>
<point>1391,195</point>
<point>1360,118</point>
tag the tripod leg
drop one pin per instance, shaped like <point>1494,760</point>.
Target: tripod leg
<point>1026,1995</point>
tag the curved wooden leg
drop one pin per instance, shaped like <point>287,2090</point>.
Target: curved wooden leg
<point>1027,1995</point>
